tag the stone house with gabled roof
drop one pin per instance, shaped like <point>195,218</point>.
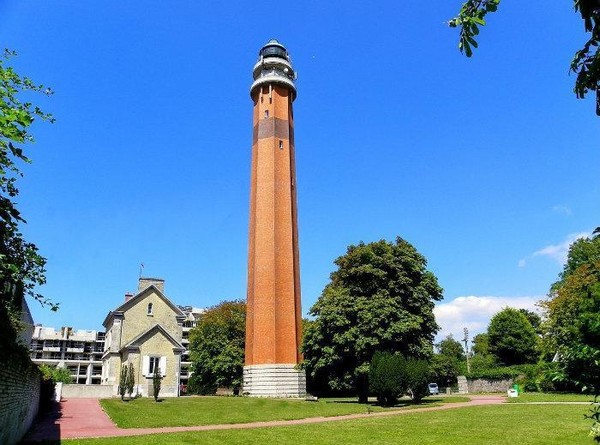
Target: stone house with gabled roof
<point>146,330</point>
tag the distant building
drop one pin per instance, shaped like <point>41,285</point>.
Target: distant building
<point>79,351</point>
<point>150,332</point>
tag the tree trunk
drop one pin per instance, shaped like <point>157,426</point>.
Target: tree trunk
<point>363,389</point>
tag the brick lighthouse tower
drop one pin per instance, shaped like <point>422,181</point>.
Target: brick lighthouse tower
<point>273,320</point>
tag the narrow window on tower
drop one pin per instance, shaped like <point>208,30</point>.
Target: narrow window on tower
<point>149,309</point>
<point>266,114</point>
<point>270,100</point>
<point>281,145</point>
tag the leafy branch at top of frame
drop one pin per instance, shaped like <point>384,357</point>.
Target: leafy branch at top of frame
<point>469,19</point>
<point>585,63</point>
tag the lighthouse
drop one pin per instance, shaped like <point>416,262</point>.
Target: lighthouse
<point>274,318</point>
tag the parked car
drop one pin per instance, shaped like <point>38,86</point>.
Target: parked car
<point>433,389</point>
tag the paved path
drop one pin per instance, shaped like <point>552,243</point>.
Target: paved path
<point>79,418</point>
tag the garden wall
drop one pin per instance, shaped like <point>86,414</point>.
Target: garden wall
<point>19,399</point>
<point>483,385</point>
<point>74,391</point>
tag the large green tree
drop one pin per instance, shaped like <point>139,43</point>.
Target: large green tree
<point>572,327</point>
<point>380,298</point>
<point>22,268</point>
<point>448,361</point>
<point>512,339</point>
<point>586,61</point>
<point>217,348</point>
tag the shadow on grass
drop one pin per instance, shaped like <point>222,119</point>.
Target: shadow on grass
<point>400,404</point>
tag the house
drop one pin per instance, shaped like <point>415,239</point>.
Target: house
<point>147,330</point>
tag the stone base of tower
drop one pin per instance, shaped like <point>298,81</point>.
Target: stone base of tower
<point>274,381</point>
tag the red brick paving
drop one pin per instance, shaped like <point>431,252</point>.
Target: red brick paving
<point>79,418</point>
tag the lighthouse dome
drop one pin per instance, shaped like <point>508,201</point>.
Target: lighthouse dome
<point>273,49</point>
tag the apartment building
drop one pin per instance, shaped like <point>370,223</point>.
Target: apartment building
<point>80,351</point>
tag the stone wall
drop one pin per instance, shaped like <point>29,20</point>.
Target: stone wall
<point>486,385</point>
<point>19,399</point>
<point>73,391</point>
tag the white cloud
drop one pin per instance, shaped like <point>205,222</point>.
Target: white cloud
<point>474,313</point>
<point>558,252</point>
<point>562,210</point>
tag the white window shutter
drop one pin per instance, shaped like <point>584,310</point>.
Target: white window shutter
<point>145,365</point>
<point>163,366</point>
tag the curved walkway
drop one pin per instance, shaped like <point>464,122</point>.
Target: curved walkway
<point>84,418</point>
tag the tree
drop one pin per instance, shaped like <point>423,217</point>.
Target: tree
<point>55,374</point>
<point>123,381</point>
<point>217,348</point>
<point>481,344</point>
<point>156,383</point>
<point>562,308</point>
<point>380,298</point>
<point>417,375</point>
<point>482,358</point>
<point>387,377</point>
<point>585,63</point>
<point>21,266</point>
<point>447,363</point>
<point>572,329</point>
<point>130,383</point>
<point>533,318</point>
<point>512,338</point>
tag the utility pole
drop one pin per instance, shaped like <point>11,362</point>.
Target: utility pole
<point>466,340</point>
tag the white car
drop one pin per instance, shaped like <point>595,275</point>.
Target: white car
<point>433,389</point>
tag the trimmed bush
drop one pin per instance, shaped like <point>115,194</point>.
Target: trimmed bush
<point>386,377</point>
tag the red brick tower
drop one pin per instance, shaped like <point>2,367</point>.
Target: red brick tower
<point>273,320</point>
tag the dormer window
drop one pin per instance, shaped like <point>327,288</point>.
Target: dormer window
<point>149,311</point>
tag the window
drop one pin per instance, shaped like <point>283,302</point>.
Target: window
<point>281,145</point>
<point>149,312</point>
<point>266,114</point>
<point>154,365</point>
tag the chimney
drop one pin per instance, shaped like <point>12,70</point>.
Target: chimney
<point>147,282</point>
<point>128,296</point>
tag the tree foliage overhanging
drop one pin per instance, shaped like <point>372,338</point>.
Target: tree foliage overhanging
<point>217,348</point>
<point>586,61</point>
<point>380,298</point>
<point>22,268</point>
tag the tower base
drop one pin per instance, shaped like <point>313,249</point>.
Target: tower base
<point>283,381</point>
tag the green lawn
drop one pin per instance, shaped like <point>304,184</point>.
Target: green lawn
<point>489,425</point>
<point>188,411</point>
<point>550,397</point>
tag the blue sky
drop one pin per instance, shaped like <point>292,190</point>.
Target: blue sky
<point>489,166</point>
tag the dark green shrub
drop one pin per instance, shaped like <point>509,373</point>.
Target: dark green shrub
<point>156,383</point>
<point>417,375</point>
<point>123,381</point>
<point>387,377</point>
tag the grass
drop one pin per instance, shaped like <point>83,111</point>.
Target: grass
<point>528,397</point>
<point>489,425</point>
<point>189,411</point>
